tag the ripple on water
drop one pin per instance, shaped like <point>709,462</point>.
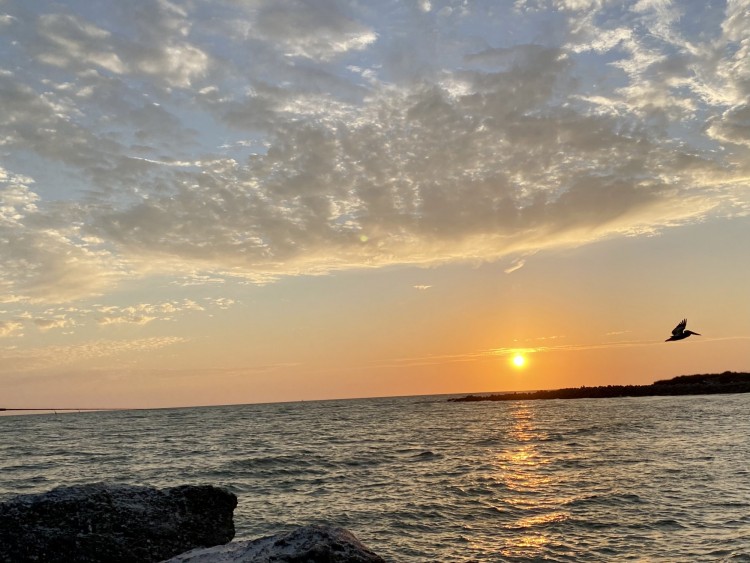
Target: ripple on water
<point>425,480</point>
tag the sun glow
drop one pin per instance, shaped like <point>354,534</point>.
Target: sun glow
<point>519,360</point>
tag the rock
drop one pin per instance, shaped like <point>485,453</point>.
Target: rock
<point>308,544</point>
<point>114,523</point>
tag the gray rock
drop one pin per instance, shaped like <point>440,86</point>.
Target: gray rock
<point>114,523</point>
<point>308,544</point>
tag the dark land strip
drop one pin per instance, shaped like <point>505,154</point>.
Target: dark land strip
<point>699,384</point>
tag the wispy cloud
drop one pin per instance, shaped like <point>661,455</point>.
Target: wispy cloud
<point>71,318</point>
<point>506,351</point>
<point>49,323</point>
<point>17,360</point>
<point>573,347</point>
<point>601,346</point>
<point>516,265</point>
<point>519,262</point>
<point>10,328</point>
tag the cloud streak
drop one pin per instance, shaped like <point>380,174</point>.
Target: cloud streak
<point>483,355</point>
<point>268,139</point>
<point>21,361</point>
<point>68,318</point>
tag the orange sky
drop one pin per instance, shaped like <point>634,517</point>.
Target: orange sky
<point>372,333</point>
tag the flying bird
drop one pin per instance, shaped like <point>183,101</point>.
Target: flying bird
<point>679,332</point>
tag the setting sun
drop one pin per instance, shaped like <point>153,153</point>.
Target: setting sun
<point>519,361</point>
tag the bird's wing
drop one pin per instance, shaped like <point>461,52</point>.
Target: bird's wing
<point>680,327</point>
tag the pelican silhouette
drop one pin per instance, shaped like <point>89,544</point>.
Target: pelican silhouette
<point>679,332</point>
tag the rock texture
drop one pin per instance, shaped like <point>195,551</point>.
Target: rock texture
<point>308,544</point>
<point>114,523</point>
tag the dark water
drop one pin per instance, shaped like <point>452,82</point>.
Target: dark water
<point>421,479</point>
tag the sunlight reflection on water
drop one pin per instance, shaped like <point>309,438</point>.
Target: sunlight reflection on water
<point>520,469</point>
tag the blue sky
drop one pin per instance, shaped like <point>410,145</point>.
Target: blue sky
<point>165,165</point>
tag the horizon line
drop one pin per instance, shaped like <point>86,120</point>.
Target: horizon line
<point>91,409</point>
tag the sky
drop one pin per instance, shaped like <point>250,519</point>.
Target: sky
<point>222,201</point>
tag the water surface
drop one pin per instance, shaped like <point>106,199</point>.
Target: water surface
<point>420,479</point>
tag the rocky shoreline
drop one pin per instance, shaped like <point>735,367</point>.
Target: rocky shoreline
<point>699,384</point>
<point>306,544</point>
<point>114,523</point>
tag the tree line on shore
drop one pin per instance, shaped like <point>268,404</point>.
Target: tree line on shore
<point>698,384</point>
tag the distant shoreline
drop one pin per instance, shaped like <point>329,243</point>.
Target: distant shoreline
<point>699,384</point>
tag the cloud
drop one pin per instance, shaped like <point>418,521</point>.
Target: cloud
<point>517,264</point>
<point>310,30</point>
<point>68,41</point>
<point>10,328</point>
<point>157,48</point>
<point>72,318</point>
<point>145,313</point>
<point>733,126</point>
<point>32,359</point>
<point>48,323</point>
<point>43,260</point>
<point>129,316</point>
<point>210,141</point>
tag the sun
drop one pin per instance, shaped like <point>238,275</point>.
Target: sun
<point>518,360</point>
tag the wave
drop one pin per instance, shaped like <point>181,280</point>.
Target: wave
<point>425,482</point>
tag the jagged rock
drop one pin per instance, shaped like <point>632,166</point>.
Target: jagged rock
<point>114,523</point>
<point>308,544</point>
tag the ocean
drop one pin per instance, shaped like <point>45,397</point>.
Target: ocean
<point>420,479</point>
